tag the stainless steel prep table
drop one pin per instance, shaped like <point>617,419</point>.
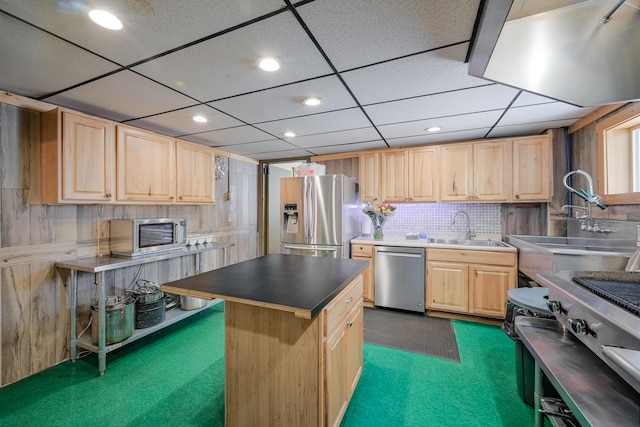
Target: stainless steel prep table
<point>593,391</point>
<point>98,266</point>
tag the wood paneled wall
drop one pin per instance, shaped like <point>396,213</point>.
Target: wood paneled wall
<point>584,155</point>
<point>34,301</point>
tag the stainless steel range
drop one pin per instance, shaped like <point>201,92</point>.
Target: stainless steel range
<point>602,310</point>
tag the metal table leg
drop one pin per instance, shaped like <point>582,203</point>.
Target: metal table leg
<point>73,278</point>
<point>102,326</point>
<point>538,417</point>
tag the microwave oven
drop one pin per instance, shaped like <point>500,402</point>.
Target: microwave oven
<point>139,237</point>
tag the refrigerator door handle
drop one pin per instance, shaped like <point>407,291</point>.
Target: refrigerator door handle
<point>313,248</point>
<point>308,214</point>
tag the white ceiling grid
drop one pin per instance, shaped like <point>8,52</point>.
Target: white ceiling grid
<point>385,71</point>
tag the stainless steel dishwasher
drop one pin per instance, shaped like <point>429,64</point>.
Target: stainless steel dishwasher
<point>399,278</point>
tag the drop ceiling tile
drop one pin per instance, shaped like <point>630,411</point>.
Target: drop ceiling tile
<point>226,65</point>
<point>333,121</point>
<point>259,147</point>
<point>543,112</point>
<point>360,32</point>
<point>449,124</point>
<point>439,138</point>
<point>286,101</point>
<point>150,27</point>
<point>287,154</point>
<point>334,138</point>
<point>180,122</point>
<point>35,63</point>
<point>482,98</point>
<point>428,73</point>
<point>345,148</point>
<point>121,96</point>
<point>231,136</point>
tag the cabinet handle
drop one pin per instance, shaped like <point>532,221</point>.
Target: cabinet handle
<point>349,300</point>
<point>517,196</point>
<point>171,197</point>
<point>180,197</point>
<point>107,196</point>
<point>350,323</point>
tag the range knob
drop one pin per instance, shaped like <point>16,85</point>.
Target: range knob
<point>554,306</point>
<point>579,326</point>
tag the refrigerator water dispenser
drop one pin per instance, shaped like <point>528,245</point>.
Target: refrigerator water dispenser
<point>290,218</point>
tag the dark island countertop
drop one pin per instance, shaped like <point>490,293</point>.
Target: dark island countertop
<point>300,284</point>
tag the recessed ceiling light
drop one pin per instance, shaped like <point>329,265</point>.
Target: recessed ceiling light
<point>200,119</point>
<point>289,134</point>
<point>269,63</point>
<point>312,100</point>
<point>105,19</point>
<point>434,129</point>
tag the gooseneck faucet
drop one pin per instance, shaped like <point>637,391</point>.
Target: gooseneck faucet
<point>468,234</point>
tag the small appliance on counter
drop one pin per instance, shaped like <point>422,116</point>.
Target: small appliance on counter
<point>133,238</point>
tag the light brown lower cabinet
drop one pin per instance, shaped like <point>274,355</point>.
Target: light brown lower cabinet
<point>470,282</point>
<point>286,370</point>
<point>365,253</point>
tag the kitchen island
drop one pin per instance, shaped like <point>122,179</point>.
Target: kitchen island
<point>293,336</point>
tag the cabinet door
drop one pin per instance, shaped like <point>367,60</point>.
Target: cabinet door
<point>447,286</point>
<point>393,182</point>
<point>146,166</point>
<point>78,158</point>
<point>354,337</point>
<point>531,169</point>
<point>367,275</point>
<point>335,349</point>
<point>423,173</point>
<point>492,171</point>
<point>456,177</point>
<point>488,286</point>
<point>195,165</point>
<point>368,177</point>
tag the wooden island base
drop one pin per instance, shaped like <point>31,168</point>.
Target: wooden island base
<point>284,370</point>
<point>294,335</point>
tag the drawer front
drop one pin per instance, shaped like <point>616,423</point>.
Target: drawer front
<point>342,304</point>
<point>362,250</point>
<point>472,256</point>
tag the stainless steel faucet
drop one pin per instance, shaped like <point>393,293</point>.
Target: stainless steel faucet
<point>468,234</point>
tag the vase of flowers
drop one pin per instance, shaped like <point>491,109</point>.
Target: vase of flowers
<point>378,212</point>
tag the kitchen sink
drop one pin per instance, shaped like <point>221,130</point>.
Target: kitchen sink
<point>465,242</point>
<point>551,254</point>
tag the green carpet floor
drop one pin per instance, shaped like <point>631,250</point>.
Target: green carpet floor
<point>176,378</point>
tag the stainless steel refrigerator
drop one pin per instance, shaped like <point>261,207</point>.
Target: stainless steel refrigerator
<point>320,215</point>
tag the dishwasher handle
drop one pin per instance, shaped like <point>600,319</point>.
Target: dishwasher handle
<point>399,254</point>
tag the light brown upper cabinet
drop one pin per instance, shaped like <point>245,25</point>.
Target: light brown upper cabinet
<point>393,182</point>
<point>195,173</point>
<point>368,167</point>
<point>477,172</point>
<point>146,166</point>
<point>531,169</point>
<point>77,158</point>
<point>409,175</point>
<point>423,174</point>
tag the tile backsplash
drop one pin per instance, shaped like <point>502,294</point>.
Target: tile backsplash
<point>486,218</point>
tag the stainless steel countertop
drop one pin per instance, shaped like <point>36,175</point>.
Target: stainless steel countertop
<point>106,263</point>
<point>592,390</point>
